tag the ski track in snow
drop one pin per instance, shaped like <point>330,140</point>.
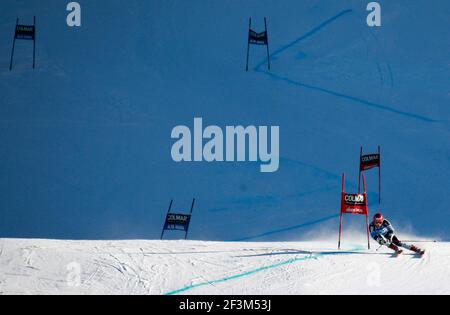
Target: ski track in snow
<point>194,267</point>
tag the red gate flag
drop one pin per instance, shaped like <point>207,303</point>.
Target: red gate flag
<point>24,32</point>
<point>354,204</point>
<point>255,38</point>
<point>367,162</point>
<point>258,38</point>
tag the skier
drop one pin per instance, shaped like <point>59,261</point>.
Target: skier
<point>382,231</point>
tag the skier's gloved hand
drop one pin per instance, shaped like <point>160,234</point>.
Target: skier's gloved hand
<point>390,237</point>
<point>382,240</point>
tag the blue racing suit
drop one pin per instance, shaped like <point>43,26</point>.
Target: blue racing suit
<point>386,230</point>
<point>385,235</point>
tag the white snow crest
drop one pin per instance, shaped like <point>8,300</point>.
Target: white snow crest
<point>194,267</point>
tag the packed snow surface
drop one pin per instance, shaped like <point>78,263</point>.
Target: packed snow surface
<point>197,267</point>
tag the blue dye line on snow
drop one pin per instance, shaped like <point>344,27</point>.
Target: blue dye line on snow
<point>241,275</point>
<point>330,92</point>
<point>309,34</point>
<point>351,98</point>
<point>254,271</point>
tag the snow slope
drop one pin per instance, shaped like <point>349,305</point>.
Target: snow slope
<point>85,138</point>
<point>195,267</point>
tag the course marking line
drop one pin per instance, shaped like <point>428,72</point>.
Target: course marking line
<point>254,271</point>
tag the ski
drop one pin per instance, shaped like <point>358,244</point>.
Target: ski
<point>421,253</point>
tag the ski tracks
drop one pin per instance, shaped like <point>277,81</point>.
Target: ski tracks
<point>194,267</point>
<point>130,271</point>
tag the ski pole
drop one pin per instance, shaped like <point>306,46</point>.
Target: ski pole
<point>429,241</point>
